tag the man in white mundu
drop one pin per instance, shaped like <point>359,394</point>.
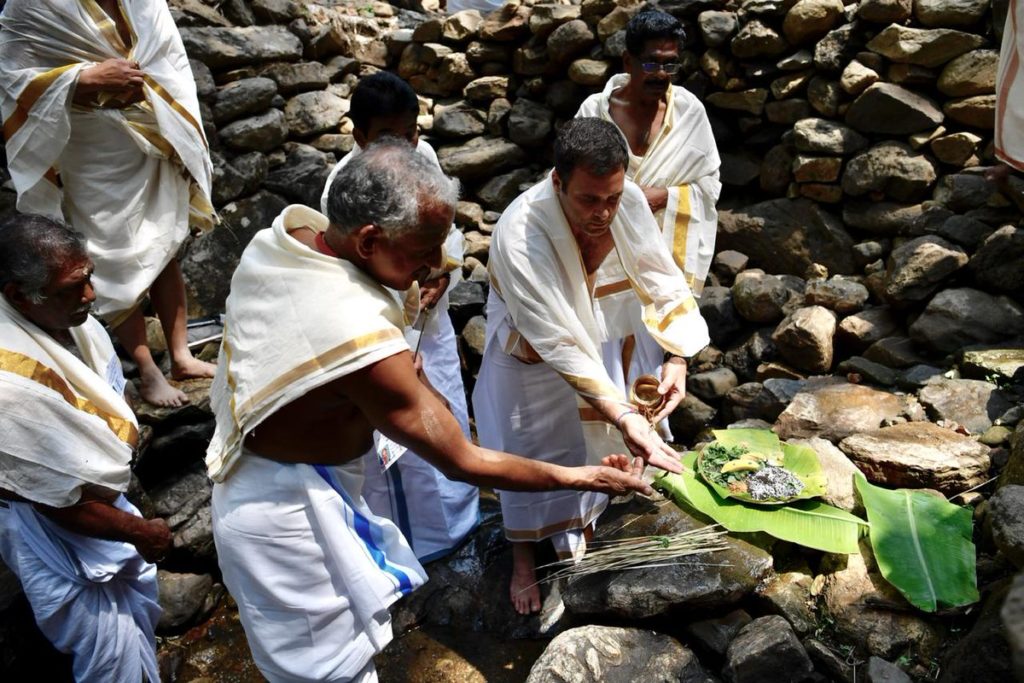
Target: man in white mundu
<point>102,127</point>
<point>543,387</point>
<point>81,550</point>
<point>433,512</point>
<point>1009,133</point>
<point>672,157</point>
<point>314,359</point>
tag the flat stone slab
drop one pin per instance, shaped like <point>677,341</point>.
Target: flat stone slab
<point>831,408</point>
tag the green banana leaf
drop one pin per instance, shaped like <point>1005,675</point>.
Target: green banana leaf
<point>809,523</point>
<point>802,461</point>
<point>922,545</point>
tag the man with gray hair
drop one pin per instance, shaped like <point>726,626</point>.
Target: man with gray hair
<point>81,550</point>
<point>313,360</point>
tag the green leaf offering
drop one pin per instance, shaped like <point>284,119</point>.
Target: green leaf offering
<point>809,523</point>
<point>922,545</point>
<point>752,465</point>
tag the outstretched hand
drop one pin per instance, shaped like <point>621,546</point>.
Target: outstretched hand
<point>614,476</point>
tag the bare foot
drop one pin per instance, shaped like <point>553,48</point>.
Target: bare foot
<point>523,589</point>
<point>192,368</point>
<point>156,391</point>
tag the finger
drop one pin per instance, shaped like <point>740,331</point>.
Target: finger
<point>637,484</point>
<point>637,467</point>
<point>670,407</point>
<point>667,462</point>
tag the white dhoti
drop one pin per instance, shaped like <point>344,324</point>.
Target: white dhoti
<point>1009,124</point>
<point>93,599</point>
<point>312,569</point>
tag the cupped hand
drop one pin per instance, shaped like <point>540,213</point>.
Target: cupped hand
<point>614,477</point>
<point>644,442</point>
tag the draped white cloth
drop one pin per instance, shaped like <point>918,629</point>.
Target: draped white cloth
<point>1009,132</point>
<point>66,424</point>
<point>433,512</point>
<point>128,179</point>
<point>93,599</point>
<point>683,158</point>
<point>312,570</point>
<point>543,308</point>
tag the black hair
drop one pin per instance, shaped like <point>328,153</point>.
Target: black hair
<point>381,94</point>
<point>590,142</point>
<point>651,24</point>
<point>32,247</point>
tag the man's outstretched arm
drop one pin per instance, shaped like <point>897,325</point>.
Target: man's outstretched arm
<point>399,406</point>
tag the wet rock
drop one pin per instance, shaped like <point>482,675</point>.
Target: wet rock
<point>211,258</point>
<point>949,13</point>
<point>892,168</point>
<point>717,309</point>
<point>849,583</point>
<point>892,110</point>
<point>715,634</point>
<point>242,97</point>
<point>766,650</point>
<point>529,122</point>
<point>804,338</point>
<point>693,583</point>
<point>955,318</point>
<point>788,236</point>
<point>924,47</point>
<point>599,653</point>
<point>885,11</point>
<point>480,157</point>
<point>972,403</point>
<point>182,598</point>
<point>916,268</point>
<point>919,455</point>
<point>972,73</point>
<point>260,133</point>
<point>1007,515</point>
<point>997,263</point>
<point>759,297</point>
<point>831,408</point>
<point>221,48</point>
<point>185,505</point>
<point>839,473</point>
<point>713,384</point>
<point>458,121</point>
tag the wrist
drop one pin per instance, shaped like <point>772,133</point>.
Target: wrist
<point>623,415</point>
<point>673,358</point>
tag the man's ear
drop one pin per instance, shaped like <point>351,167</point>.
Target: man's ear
<point>367,240</point>
<point>17,298</point>
<point>556,180</point>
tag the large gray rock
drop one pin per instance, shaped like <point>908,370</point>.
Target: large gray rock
<point>890,109</point>
<point>713,384</point>
<point>221,48</point>
<point>889,167</point>
<point>787,236</point>
<point>759,297</point>
<point>184,504</point>
<point>301,178</point>
<point>310,113</point>
<point>696,582</point>
<point>835,50</point>
<point>767,651</point>
<point>717,309</point>
<point>836,294</point>
<point>923,47</point>
<point>972,73</point>
<point>242,97</point>
<point>955,318</point>
<point>919,455</point>
<point>757,39</point>
<point>295,78</point>
<point>716,633</point>
<point>755,401</point>
<point>831,408</point>
<point>459,120</point>
<point>547,17</point>
<point>260,133</point>
<point>821,136</point>
<point>839,471</point>
<point>211,258</point>
<point>972,403</point>
<point>529,122</point>
<point>500,190</point>
<point>603,653</point>
<point>885,11</point>
<point>745,358</point>
<point>863,329</point>
<point>182,598</point>
<point>917,267</point>
<point>237,177</point>
<point>997,264</point>
<point>717,27</point>
<point>950,12</point>
<point>690,418</point>
<point>1012,616</point>
<point>1007,514</point>
<point>480,157</point>
<point>804,338</point>
<point>570,40</point>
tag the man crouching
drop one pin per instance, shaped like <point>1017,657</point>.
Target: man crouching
<point>80,549</point>
<point>313,360</point>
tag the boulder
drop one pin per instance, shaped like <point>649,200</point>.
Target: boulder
<point>500,190</point>
<point>804,338</point>
<point>311,113</point>
<point>713,384</point>
<point>808,169</point>
<point>716,633</point>
<point>950,12</point>
<point>894,352</point>
<point>570,40</point>
<point>529,122</point>
<point>836,294</point>
<point>744,358</point>
<point>757,39</point>
<point>240,176</point>
<point>1006,510</point>
<point>831,408</point>
<point>891,168</point>
<point>859,369</point>
<point>245,96</point>
<point>890,109</point>
<point>717,309</point>
<point>977,112</point>
<point>997,264</point>
<point>601,653</point>
<point>690,418</point>
<point>547,17</point>
<point>882,218</point>
<point>296,78</point>
<point>751,101</point>
<point>787,236</point>
<point>590,72</point>
<point>184,503</point>
<point>972,73</point>
<point>459,120</point>
<point>856,77</point>
<point>1005,364</point>
<point>480,157</point>
<point>509,23</point>
<point>881,671</point>
<point>759,297</point>
<point>863,329</point>
<point>840,473</point>
<point>788,594</point>
<point>955,318</point>
<point>221,48</point>
<point>461,26</point>
<point>917,267</point>
<point>961,192</point>
<point>302,176</point>
<point>485,89</point>
<point>821,136</point>
<point>203,77</point>
<point>955,149</point>
<point>767,651</point>
<point>971,403</point>
<point>809,20</point>
<point>182,598</point>
<point>716,27</point>
<point>835,50</point>
<point>260,133</point>
<point>885,11</point>
<point>923,47</point>
<point>755,401</point>
<point>919,455</point>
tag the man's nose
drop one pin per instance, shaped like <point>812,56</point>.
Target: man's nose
<point>88,294</point>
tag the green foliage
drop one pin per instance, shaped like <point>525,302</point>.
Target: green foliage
<point>922,545</point>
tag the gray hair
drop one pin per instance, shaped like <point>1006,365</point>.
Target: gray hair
<point>32,248</point>
<point>385,185</point>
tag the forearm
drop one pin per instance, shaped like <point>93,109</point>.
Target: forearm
<point>99,519</point>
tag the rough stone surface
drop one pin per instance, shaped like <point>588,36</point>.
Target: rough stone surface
<point>971,403</point>
<point>923,47</point>
<point>837,294</point>
<point>185,505</point>
<point>948,13</point>
<point>600,653</point>
<point>972,73</point>
<point>716,307</point>
<point>480,157</point>
<point>242,97</point>
<point>716,633</point>
<point>955,318</point>
<point>311,113</point>
<point>260,133</point>
<point>1012,617</point>
<point>919,455</point>
<point>182,597</point>
<point>460,120</point>
<point>822,136</point>
<point>996,264</point>
<point>767,651</point>
<point>529,122</point>
<point>831,408</point>
<point>885,11</point>
<point>808,20</point>
<point>229,47</point>
<point>713,384</point>
<point>916,268</point>
<point>804,338</point>
<point>1007,514</point>
<point>891,168</point>
<point>867,327</point>
<point>758,297</point>
<point>891,109</point>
